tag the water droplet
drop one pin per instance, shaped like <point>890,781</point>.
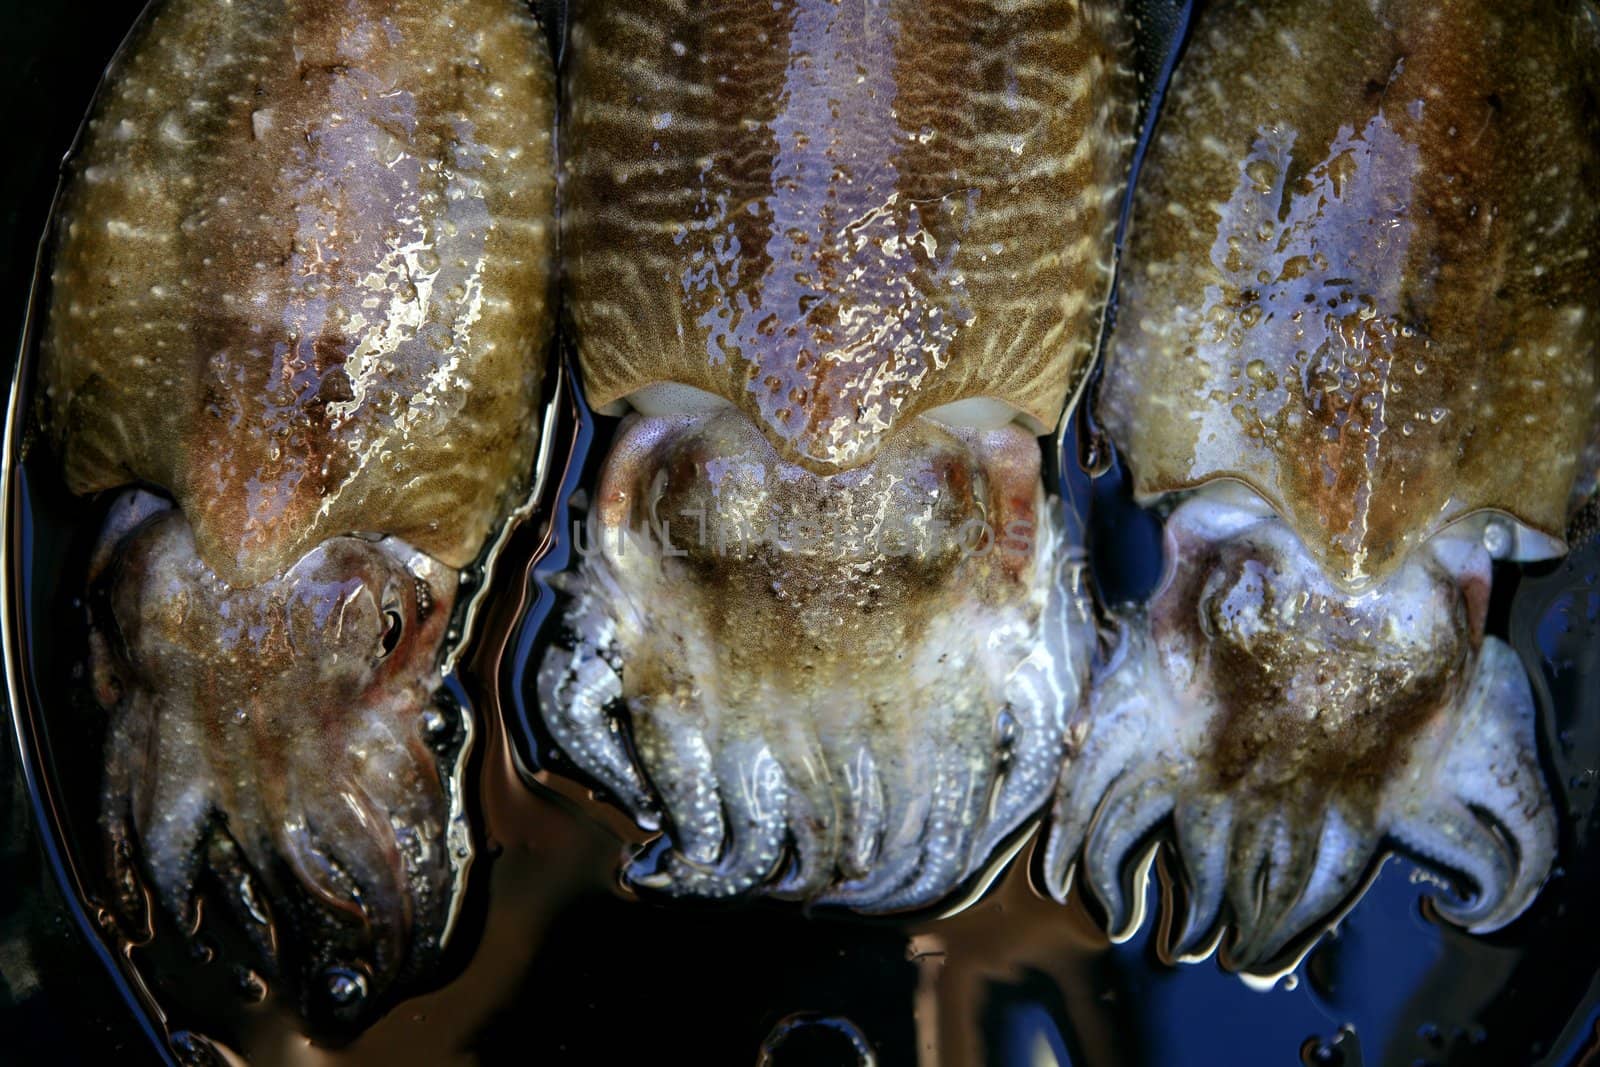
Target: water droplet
<point>346,988</point>
<point>1319,1053</point>
<point>436,725</point>
<point>1262,174</point>
<point>252,987</point>
<point>1497,539</point>
<point>1095,453</point>
<point>1005,731</point>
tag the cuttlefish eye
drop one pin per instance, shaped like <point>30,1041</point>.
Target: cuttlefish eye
<point>357,595</point>
<point>393,629</point>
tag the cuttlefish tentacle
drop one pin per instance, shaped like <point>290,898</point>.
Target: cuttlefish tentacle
<point>1202,827</point>
<point>815,821</point>
<point>949,827</point>
<point>864,812</point>
<point>1324,868</point>
<point>691,782</point>
<point>166,812</point>
<point>1116,733</point>
<point>580,683</point>
<point>891,855</point>
<point>1051,679</point>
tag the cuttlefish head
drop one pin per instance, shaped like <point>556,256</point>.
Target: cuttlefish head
<point>1308,680</point>
<point>1289,726</point>
<point>280,744</point>
<point>842,687</point>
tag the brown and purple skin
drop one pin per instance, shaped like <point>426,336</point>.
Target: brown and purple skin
<point>839,264</point>
<point>1357,343</point>
<point>301,299</point>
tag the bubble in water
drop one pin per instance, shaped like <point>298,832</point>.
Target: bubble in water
<point>1337,1051</point>
<point>345,989</point>
<point>441,720</point>
<point>1319,1053</point>
<point>194,1050</point>
<point>812,1037</point>
<point>1095,455</point>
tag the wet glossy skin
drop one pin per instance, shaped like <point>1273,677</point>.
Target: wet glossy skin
<point>302,265</point>
<point>1380,279</point>
<point>838,217</point>
<point>1359,320</point>
<point>302,286</point>
<point>829,221</point>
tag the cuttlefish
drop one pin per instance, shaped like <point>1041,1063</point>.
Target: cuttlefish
<point>300,305</point>
<point>838,265</point>
<point>1356,357</point>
